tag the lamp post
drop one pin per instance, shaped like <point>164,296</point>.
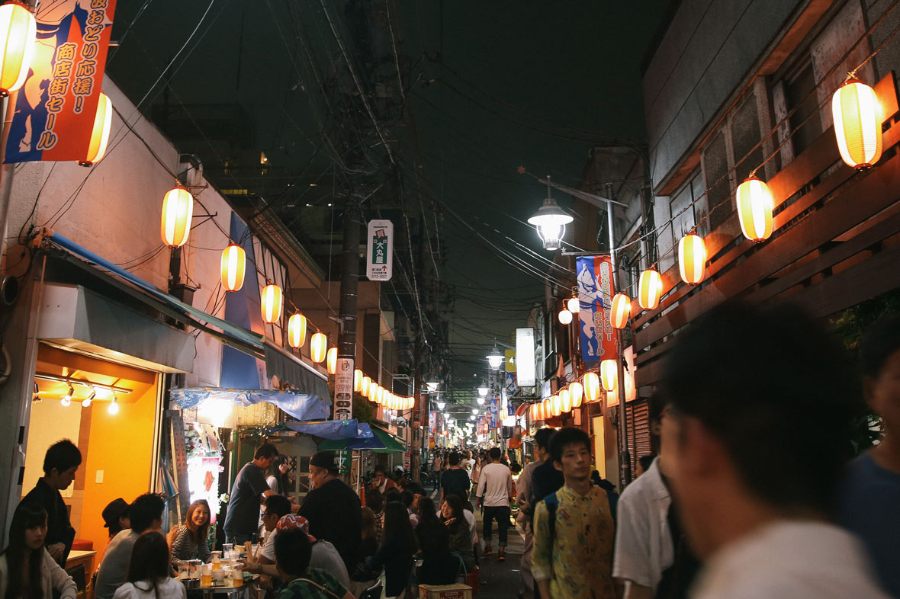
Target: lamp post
<point>603,203</point>
<point>550,221</point>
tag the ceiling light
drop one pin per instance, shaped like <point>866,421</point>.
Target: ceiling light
<point>113,408</point>
<point>87,401</point>
<point>67,398</point>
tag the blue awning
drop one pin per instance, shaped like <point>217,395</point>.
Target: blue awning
<point>330,429</point>
<point>301,406</point>
<point>365,439</point>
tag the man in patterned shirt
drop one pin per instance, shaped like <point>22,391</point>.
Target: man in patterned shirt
<point>573,528</point>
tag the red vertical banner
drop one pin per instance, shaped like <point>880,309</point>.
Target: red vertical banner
<point>595,291</point>
<point>54,111</point>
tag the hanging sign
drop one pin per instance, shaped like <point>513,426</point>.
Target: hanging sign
<point>343,389</point>
<point>525,357</point>
<point>595,291</point>
<point>380,250</point>
<point>54,112</point>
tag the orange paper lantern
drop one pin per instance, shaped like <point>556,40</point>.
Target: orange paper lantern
<point>177,211</point>
<point>858,116</point>
<point>365,387</point>
<point>591,386</point>
<point>331,360</point>
<point>692,258</point>
<point>565,401</point>
<point>271,303</point>
<point>609,374</point>
<point>18,31</point>
<point>99,132</point>
<point>232,267</point>
<point>576,392</point>
<point>296,330</point>
<point>754,208</point>
<point>649,289</point>
<point>318,347</point>
<point>620,311</point>
<point>357,380</point>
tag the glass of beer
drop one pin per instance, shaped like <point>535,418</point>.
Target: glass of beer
<point>206,576</point>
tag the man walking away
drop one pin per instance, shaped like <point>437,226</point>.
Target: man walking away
<point>755,470</point>
<point>495,494</point>
<point>526,509</point>
<point>250,486</point>
<point>60,463</point>
<point>573,528</point>
<point>333,509</point>
<point>455,480</point>
<point>870,497</point>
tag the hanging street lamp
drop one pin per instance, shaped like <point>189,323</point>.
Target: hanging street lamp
<point>495,358</point>
<point>565,317</point>
<point>550,221</point>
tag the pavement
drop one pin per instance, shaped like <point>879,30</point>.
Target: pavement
<point>502,579</point>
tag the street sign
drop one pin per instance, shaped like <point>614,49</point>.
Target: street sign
<point>343,389</point>
<point>380,250</point>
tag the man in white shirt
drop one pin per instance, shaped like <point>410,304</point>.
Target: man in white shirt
<point>495,493</point>
<point>756,443</point>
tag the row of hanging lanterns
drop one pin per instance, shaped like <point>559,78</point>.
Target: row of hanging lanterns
<point>590,389</point>
<point>365,386</point>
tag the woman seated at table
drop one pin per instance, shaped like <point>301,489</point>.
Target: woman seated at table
<point>292,554</point>
<point>26,568</point>
<point>148,572</point>
<point>188,540</point>
<point>453,517</point>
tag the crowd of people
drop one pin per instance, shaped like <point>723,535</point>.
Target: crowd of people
<point>753,493</point>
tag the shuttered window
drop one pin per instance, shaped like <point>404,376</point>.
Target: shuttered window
<point>637,415</point>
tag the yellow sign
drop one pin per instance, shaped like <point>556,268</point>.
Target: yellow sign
<point>510,360</point>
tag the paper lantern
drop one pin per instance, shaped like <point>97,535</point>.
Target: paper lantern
<point>565,401</point>
<point>591,386</point>
<point>754,207</point>
<point>364,386</point>
<point>630,389</point>
<point>576,392</point>
<point>318,347</point>
<point>177,211</point>
<point>649,289</point>
<point>271,302</point>
<point>612,398</point>
<point>17,41</point>
<point>331,360</point>
<point>620,311</point>
<point>296,330</point>
<point>547,409</point>
<point>532,412</point>
<point>357,380</point>
<point>565,317</point>
<point>555,405</point>
<point>232,267</point>
<point>99,132</point>
<point>692,258</point>
<point>609,374</point>
<point>573,305</point>
<point>857,123</point>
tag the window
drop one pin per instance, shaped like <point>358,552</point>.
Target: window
<point>800,96</point>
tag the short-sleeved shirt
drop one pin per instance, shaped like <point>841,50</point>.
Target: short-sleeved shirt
<point>643,539</point>
<point>114,568</point>
<point>455,482</point>
<point>870,509</point>
<point>335,514</point>
<point>582,534</point>
<point>301,588</point>
<point>243,505</point>
<point>796,560</point>
<point>59,528</point>
<point>495,485</point>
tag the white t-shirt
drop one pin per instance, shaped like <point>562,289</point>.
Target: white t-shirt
<point>168,588</point>
<point>643,541</point>
<point>268,549</point>
<point>495,485</point>
<point>789,560</point>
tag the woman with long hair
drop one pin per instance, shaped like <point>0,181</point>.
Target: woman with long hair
<point>439,565</point>
<point>395,554</point>
<point>279,480</point>
<point>27,571</point>
<point>188,540</point>
<point>454,518</point>
<point>148,572</point>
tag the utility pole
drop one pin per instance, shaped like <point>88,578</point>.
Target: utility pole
<point>343,384</point>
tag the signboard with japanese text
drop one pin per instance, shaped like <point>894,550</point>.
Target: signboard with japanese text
<point>54,111</point>
<point>380,250</point>
<point>595,291</point>
<point>343,390</point>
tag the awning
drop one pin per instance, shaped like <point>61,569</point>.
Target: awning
<point>332,430</point>
<point>391,443</point>
<point>301,406</point>
<point>292,372</point>
<point>366,439</point>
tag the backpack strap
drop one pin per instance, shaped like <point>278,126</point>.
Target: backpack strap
<point>552,503</point>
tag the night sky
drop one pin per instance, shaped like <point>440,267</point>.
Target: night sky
<point>489,85</point>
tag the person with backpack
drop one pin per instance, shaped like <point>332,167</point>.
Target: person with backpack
<point>573,528</point>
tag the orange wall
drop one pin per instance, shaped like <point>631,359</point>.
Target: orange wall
<point>122,447</point>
